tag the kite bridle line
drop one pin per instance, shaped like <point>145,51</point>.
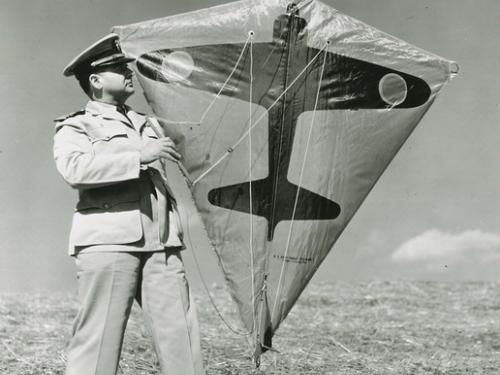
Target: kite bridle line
<point>304,160</point>
<point>249,39</point>
<point>159,134</point>
<point>257,122</point>
<point>250,35</point>
<point>230,149</point>
<point>248,133</point>
<point>190,185</point>
<point>207,291</point>
<point>210,105</point>
<point>226,154</point>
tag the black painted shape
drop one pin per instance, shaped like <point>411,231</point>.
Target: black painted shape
<point>347,83</point>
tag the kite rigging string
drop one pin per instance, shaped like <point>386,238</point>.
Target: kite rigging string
<point>259,119</point>
<point>205,286</point>
<point>301,175</point>
<point>249,39</point>
<point>251,126</point>
<point>250,35</point>
<point>190,185</point>
<point>202,118</point>
<point>151,122</point>
<point>205,112</point>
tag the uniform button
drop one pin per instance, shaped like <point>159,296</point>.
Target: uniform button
<point>105,205</point>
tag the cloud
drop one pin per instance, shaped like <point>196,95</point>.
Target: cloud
<point>435,245</point>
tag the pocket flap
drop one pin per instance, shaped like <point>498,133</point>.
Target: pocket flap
<point>106,133</point>
<point>107,197</point>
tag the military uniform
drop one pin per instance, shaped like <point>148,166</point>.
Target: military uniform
<point>126,238</point>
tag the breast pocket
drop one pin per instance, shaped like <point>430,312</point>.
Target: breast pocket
<point>110,139</point>
<point>107,133</point>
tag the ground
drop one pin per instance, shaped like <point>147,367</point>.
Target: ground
<point>343,328</point>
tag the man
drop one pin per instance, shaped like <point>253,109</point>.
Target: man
<point>125,237</point>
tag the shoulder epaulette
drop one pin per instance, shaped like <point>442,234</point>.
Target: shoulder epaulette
<point>72,114</point>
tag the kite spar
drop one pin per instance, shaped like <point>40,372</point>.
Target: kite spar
<point>287,115</point>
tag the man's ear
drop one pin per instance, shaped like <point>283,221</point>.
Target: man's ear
<point>95,81</point>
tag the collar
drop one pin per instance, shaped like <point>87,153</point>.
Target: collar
<point>109,111</point>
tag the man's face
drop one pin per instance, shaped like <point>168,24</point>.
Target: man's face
<point>116,81</point>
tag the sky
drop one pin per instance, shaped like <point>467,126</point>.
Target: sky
<point>434,214</point>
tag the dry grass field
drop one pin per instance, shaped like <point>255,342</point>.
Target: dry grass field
<point>343,328</point>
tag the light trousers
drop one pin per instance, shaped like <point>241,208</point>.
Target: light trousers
<point>108,283</point>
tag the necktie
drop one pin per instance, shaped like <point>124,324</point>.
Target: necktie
<point>123,110</point>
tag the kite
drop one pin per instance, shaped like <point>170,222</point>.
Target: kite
<point>287,114</point>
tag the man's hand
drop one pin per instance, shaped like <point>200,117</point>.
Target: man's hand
<point>163,148</point>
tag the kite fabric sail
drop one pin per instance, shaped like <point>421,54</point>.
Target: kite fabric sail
<point>286,116</point>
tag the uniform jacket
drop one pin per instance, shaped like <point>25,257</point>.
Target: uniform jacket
<point>97,152</point>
